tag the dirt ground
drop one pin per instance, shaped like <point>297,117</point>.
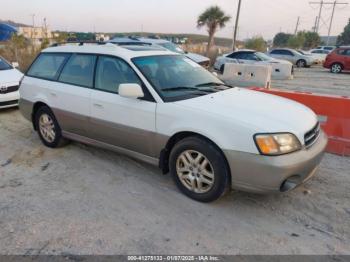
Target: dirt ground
<point>84,200</point>
<point>316,80</point>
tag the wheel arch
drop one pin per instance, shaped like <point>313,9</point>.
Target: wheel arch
<point>36,107</point>
<point>165,153</point>
<point>339,63</point>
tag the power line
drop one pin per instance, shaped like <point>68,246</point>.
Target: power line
<point>322,4</point>
<point>331,22</point>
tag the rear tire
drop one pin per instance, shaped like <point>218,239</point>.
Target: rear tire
<point>301,63</point>
<point>199,169</point>
<point>48,128</point>
<point>336,68</point>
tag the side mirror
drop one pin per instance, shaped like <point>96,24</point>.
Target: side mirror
<point>215,74</point>
<point>130,91</point>
<point>15,64</point>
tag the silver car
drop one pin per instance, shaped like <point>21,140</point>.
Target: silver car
<point>293,56</point>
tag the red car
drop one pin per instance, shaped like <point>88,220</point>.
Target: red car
<point>338,60</point>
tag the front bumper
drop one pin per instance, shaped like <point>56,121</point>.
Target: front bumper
<point>266,174</point>
<point>9,99</point>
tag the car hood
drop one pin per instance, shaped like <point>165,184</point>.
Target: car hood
<point>259,111</point>
<point>197,58</point>
<point>11,76</point>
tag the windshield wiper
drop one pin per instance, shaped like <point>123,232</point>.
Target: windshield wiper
<point>213,84</point>
<point>180,88</point>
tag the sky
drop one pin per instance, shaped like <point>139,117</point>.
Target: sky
<point>258,17</point>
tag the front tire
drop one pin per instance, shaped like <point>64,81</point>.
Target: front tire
<point>336,68</point>
<point>48,128</point>
<point>199,169</point>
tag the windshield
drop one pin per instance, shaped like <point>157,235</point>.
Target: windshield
<point>263,57</point>
<point>172,47</point>
<point>4,65</point>
<point>176,77</point>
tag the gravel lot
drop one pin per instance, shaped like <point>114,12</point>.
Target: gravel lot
<point>316,80</point>
<point>84,200</point>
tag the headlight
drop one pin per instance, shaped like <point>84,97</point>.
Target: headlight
<point>277,144</point>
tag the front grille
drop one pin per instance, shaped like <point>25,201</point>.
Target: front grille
<point>9,89</point>
<point>312,135</point>
<point>9,103</point>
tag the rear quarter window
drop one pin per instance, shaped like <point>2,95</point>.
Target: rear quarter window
<point>47,66</point>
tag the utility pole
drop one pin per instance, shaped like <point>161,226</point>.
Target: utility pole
<point>45,28</point>
<point>322,4</point>
<point>319,16</point>
<point>314,27</point>
<point>236,26</point>
<point>297,25</point>
<point>331,22</point>
<point>32,32</point>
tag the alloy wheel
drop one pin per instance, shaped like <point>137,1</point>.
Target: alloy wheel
<point>301,63</point>
<point>47,128</point>
<point>195,171</point>
<point>336,68</point>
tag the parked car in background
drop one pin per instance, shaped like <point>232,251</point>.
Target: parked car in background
<point>202,60</point>
<point>10,78</point>
<point>328,48</point>
<point>293,56</point>
<point>319,54</point>
<point>338,60</point>
<point>246,56</point>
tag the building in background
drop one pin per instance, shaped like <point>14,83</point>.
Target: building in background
<point>34,32</point>
<point>102,37</point>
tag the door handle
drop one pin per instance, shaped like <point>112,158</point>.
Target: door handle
<point>53,94</point>
<point>98,105</point>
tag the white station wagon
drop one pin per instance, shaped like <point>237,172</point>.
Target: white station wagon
<point>161,107</point>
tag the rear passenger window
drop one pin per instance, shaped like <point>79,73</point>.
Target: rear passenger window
<point>79,70</point>
<point>111,72</point>
<point>47,66</point>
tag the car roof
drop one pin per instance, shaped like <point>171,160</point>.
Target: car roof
<point>245,50</point>
<point>126,52</point>
<point>288,49</point>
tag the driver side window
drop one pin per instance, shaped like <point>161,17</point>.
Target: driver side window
<point>111,72</point>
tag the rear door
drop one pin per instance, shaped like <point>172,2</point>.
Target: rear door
<point>276,54</point>
<point>119,121</point>
<point>70,96</point>
<point>288,55</point>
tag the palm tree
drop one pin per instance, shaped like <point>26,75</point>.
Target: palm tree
<point>213,18</point>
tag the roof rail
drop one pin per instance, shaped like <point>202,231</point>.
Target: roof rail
<point>80,43</point>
